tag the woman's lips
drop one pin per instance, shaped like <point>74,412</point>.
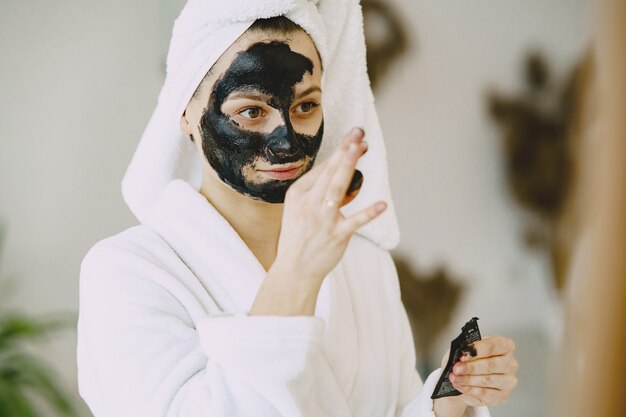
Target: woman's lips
<point>285,173</point>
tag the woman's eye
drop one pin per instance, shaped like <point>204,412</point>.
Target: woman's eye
<point>306,107</point>
<point>251,112</point>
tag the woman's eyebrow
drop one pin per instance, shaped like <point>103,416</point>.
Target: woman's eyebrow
<point>308,91</point>
<point>255,95</point>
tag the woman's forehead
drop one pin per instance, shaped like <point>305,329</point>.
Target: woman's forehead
<point>298,42</point>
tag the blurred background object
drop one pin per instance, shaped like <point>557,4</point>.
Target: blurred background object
<point>592,366</point>
<point>540,135</point>
<point>385,35</point>
<point>79,80</point>
<point>29,386</point>
<point>430,301</point>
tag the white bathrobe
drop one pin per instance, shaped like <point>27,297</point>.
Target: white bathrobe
<point>163,328</point>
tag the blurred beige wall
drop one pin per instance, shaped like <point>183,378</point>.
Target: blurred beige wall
<point>447,171</point>
<point>446,166</point>
<point>79,80</point>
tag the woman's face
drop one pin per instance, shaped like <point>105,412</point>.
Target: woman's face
<point>259,113</point>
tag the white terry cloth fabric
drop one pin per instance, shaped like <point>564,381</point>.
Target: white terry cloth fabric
<point>163,329</point>
<point>202,32</point>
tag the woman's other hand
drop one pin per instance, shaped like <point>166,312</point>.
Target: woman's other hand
<point>485,379</point>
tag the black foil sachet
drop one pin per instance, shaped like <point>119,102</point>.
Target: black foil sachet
<point>469,334</point>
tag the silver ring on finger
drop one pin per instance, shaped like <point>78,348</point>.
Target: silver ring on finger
<point>330,203</point>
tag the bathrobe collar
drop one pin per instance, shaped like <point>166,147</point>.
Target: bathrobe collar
<point>208,245</point>
<point>218,257</point>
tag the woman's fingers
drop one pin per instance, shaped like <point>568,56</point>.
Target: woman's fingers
<point>488,378</point>
<point>340,180</point>
<point>495,381</point>
<point>341,161</point>
<point>308,180</point>
<point>490,346</point>
<point>320,176</point>
<point>305,182</point>
<point>479,396</point>
<point>351,224</point>
<point>493,365</point>
<point>354,188</point>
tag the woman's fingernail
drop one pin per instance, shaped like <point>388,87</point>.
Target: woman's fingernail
<point>456,380</point>
<point>357,133</point>
<point>461,369</point>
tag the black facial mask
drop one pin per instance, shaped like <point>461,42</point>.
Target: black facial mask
<point>272,69</point>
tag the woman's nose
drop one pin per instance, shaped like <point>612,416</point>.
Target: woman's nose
<point>283,142</point>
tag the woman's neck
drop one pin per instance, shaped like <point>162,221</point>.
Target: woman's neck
<point>257,222</point>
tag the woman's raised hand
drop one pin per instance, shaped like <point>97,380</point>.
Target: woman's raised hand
<point>314,233</point>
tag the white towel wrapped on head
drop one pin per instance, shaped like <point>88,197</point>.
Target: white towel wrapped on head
<point>202,32</point>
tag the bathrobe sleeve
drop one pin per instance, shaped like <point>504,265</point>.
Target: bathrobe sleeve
<point>414,396</point>
<point>140,353</point>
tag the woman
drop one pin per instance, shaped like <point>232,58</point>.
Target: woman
<point>252,294</point>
